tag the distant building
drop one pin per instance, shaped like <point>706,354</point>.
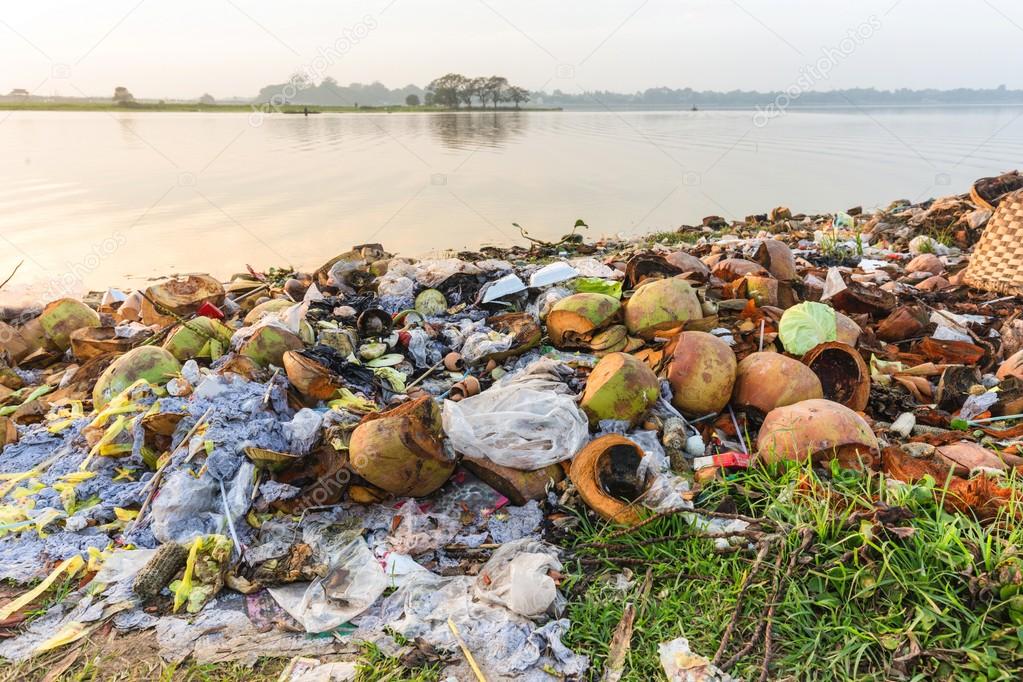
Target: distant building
<point>18,92</point>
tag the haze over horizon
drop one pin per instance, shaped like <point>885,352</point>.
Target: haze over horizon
<point>232,48</point>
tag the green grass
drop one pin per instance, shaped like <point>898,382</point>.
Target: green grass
<point>870,580</point>
<point>861,604</point>
<point>673,238</point>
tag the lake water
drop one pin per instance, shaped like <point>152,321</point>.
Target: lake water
<point>90,199</point>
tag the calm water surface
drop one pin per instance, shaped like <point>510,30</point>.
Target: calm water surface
<point>91,199</point>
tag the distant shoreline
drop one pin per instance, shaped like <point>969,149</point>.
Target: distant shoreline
<point>298,109</point>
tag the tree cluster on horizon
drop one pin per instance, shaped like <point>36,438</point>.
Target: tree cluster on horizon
<point>452,90</point>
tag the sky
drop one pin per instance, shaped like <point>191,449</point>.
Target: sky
<point>183,48</point>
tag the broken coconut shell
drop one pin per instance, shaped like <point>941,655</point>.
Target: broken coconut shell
<point>844,375</point>
<point>311,378</point>
<point>1012,367</point>
<point>690,265</point>
<point>374,322</point>
<point>611,340</point>
<point>88,342</point>
<point>606,474</point>
<point>526,332</point>
<point>660,305</point>
<point>820,429</point>
<point>16,342</point>
<point>518,486</point>
<point>155,365</point>
<point>8,432</point>
<point>574,320</point>
<point>702,374</point>
<point>903,323</point>
<point>620,387</point>
<point>181,296</point>
<point>764,381</point>
<point>777,257</point>
<point>271,460</point>
<point>401,450</point>
<point>63,316</point>
<point>645,266</point>
<point>731,269</point>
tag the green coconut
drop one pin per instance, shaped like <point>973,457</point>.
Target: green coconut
<point>431,303</point>
<point>268,344</point>
<point>661,304</point>
<point>202,337</point>
<point>155,365</point>
<point>619,387</point>
<point>701,373</point>
<point>63,316</point>
<point>574,319</point>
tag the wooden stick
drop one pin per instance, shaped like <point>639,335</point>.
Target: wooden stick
<point>621,641</point>
<point>465,651</point>
<point>11,276</point>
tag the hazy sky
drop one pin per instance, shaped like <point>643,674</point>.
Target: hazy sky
<point>182,48</point>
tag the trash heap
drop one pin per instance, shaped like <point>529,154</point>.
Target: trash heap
<point>389,446</point>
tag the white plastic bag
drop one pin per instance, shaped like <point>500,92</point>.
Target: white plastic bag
<point>680,664</point>
<point>516,578</point>
<point>354,582</point>
<point>527,422</point>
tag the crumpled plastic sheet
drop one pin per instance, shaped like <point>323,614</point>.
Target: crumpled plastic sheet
<point>514,523</point>
<point>543,303</point>
<point>355,580</point>
<point>238,419</point>
<point>524,421</point>
<point>506,645</point>
<point>188,507</point>
<point>223,632</point>
<point>425,351</point>
<point>275,491</point>
<point>502,642</point>
<point>303,431</point>
<point>680,664</point>
<point>516,578</point>
<point>420,532</point>
<point>82,606</point>
<point>485,341</point>
<point>591,267</point>
<point>24,555</point>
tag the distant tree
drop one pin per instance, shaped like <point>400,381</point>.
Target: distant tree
<point>412,101</point>
<point>207,100</point>
<point>446,89</point>
<point>465,91</point>
<point>479,89</point>
<point>496,89</point>
<point>517,94</point>
<point>122,95</point>
<point>428,99</point>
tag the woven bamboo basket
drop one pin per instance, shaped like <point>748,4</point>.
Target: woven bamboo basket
<point>997,260</point>
<point>988,192</point>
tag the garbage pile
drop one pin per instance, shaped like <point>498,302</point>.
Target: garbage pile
<point>389,446</point>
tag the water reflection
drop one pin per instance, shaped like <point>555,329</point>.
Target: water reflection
<point>465,131</point>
